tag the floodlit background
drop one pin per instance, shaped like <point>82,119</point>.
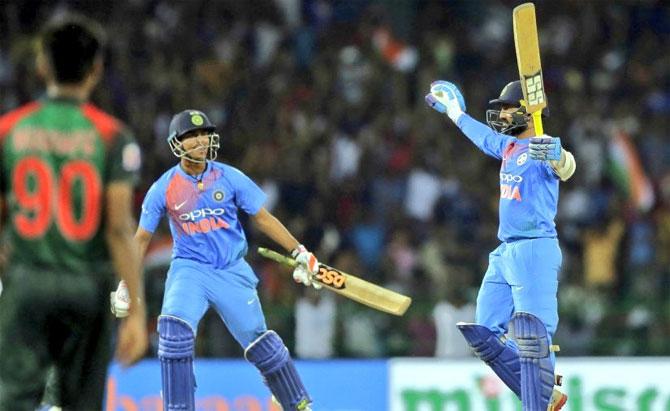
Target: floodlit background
<point>321,102</point>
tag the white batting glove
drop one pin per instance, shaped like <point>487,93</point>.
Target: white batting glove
<point>307,267</point>
<point>120,300</point>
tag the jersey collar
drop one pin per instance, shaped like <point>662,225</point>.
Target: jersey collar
<point>208,168</point>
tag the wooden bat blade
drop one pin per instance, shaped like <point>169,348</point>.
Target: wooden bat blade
<point>528,57</point>
<point>373,295</point>
<point>350,286</point>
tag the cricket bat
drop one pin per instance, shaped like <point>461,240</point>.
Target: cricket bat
<point>528,60</point>
<point>350,286</point>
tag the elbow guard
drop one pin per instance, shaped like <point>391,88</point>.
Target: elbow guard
<point>565,171</point>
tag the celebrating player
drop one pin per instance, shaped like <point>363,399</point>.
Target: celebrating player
<point>201,198</point>
<point>67,170</point>
<point>521,282</point>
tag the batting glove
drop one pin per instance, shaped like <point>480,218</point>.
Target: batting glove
<point>445,97</point>
<point>545,148</point>
<point>120,300</point>
<point>308,267</point>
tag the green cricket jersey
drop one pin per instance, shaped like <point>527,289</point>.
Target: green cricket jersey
<point>57,157</point>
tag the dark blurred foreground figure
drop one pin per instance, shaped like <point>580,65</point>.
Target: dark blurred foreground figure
<point>67,175</point>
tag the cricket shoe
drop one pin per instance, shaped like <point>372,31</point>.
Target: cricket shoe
<point>557,401</point>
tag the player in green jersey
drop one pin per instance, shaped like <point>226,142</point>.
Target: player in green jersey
<point>67,173</point>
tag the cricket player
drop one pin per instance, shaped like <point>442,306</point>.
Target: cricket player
<point>201,198</point>
<point>521,281</point>
<point>67,172</point>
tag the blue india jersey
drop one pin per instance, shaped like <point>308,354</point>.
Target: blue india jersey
<point>528,188</point>
<point>203,217</point>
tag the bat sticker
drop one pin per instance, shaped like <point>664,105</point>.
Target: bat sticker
<point>331,277</point>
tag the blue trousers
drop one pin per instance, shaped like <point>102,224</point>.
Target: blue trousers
<point>192,287</point>
<point>522,276</point>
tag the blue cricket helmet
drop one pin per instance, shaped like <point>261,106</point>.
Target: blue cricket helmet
<point>186,122</point>
<point>511,95</point>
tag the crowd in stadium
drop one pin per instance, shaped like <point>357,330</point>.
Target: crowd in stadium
<point>321,102</point>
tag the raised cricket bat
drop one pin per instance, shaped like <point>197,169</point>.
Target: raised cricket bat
<point>350,286</point>
<point>528,60</point>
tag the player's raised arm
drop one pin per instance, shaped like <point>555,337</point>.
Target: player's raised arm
<point>273,228</point>
<point>444,97</point>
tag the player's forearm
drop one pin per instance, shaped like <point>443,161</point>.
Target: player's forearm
<point>126,262</point>
<point>273,228</point>
<point>142,240</point>
<point>119,236</point>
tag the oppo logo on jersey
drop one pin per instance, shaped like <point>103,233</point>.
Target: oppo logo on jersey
<point>510,178</point>
<point>201,213</point>
<point>509,191</point>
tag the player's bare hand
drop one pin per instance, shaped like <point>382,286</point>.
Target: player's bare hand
<point>307,267</point>
<point>133,338</point>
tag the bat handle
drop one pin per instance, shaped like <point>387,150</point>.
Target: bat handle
<point>537,123</point>
<point>275,256</point>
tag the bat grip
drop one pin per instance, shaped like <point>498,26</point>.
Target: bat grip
<point>275,256</point>
<point>279,258</point>
<point>537,122</point>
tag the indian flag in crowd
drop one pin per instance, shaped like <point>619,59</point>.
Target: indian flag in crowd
<point>628,173</point>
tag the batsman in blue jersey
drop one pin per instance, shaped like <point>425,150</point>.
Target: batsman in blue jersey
<point>202,198</point>
<point>521,282</point>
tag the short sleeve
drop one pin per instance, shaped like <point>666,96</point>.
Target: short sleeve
<point>248,195</point>
<point>125,159</point>
<point>153,208</point>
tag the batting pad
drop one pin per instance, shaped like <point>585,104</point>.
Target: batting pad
<point>537,368</point>
<point>269,354</point>
<point>503,359</point>
<point>175,351</point>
